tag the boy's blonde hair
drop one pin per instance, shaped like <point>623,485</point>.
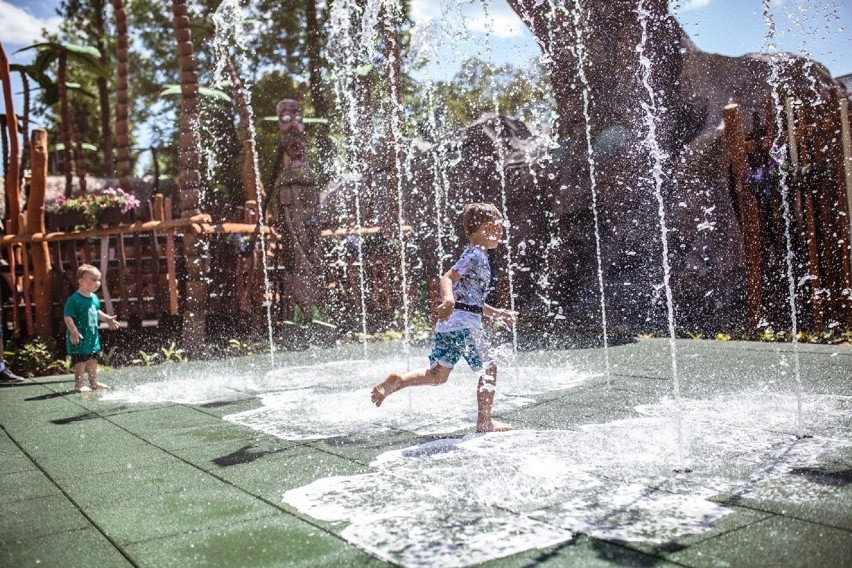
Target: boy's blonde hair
<point>475,214</point>
<point>84,269</point>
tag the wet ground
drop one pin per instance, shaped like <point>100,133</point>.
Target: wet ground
<point>284,462</point>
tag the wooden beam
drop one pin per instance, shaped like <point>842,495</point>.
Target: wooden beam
<point>749,220</point>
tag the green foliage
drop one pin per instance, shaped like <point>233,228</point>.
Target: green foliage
<point>34,358</point>
<point>173,354</point>
<point>146,359</point>
<point>695,335</point>
<point>240,348</point>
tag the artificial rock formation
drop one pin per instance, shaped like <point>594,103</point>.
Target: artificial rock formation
<point>548,195</point>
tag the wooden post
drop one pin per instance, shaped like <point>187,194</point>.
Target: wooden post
<point>35,224</point>
<point>171,271</point>
<point>842,195</point>
<point>749,220</point>
<point>806,133</point>
<point>13,186</point>
<point>791,131</point>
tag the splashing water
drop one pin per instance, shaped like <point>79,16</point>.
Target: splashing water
<point>500,164</point>
<point>779,154</point>
<point>229,20</point>
<point>582,63</point>
<point>345,52</point>
<point>393,12</point>
<point>659,157</point>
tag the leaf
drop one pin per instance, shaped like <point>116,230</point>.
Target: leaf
<point>203,91</point>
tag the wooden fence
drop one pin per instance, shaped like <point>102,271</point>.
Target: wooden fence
<point>813,185</point>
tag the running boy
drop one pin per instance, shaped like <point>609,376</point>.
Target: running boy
<point>82,338</point>
<point>459,332</point>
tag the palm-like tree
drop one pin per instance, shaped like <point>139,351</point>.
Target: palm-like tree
<point>63,53</point>
<point>122,125</point>
<point>189,175</point>
<point>189,178</point>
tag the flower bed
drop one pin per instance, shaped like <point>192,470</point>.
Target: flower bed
<point>112,206</point>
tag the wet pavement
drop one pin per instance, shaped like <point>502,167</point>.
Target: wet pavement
<point>260,462</point>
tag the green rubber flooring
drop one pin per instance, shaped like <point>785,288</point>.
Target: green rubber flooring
<point>262,462</point>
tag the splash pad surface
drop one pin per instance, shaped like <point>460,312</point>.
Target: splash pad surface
<point>291,464</point>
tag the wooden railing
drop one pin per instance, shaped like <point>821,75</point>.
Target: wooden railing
<point>817,174</point>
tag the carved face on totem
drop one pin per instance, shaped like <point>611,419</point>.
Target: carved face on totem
<point>292,131</point>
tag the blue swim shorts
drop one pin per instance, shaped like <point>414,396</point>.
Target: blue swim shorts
<point>450,346</point>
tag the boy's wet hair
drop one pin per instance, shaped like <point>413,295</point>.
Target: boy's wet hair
<point>84,269</point>
<point>475,214</point>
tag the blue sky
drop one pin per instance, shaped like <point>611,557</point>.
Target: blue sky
<point>822,29</point>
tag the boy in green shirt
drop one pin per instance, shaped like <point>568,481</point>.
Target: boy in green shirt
<point>82,338</point>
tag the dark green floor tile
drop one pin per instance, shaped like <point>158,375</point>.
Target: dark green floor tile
<point>820,496</point>
<point>75,472</point>
<point>32,518</point>
<point>183,511</point>
<point>363,449</point>
<point>163,418</point>
<point>777,541</point>
<point>203,434</point>
<point>276,541</point>
<point>93,436</point>
<point>241,403</point>
<point>86,548</point>
<point>215,456</point>
<point>15,463</point>
<point>126,487</point>
<point>582,552</point>
<point>735,520</point>
<point>273,474</point>
<point>25,485</point>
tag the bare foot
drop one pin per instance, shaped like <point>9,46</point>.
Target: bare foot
<point>385,388</point>
<point>82,388</point>
<point>493,426</point>
<point>100,386</point>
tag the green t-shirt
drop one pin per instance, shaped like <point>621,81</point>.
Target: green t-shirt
<point>84,312</point>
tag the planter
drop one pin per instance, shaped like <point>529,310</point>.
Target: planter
<point>65,221</point>
<point>112,216</point>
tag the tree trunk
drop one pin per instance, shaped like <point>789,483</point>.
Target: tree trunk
<point>390,33</point>
<point>13,190</point>
<point>103,92</point>
<point>64,121</point>
<point>189,182</point>
<point>318,99</point>
<point>122,126</point>
<point>78,125</point>
<point>252,186</point>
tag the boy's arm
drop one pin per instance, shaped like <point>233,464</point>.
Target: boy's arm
<point>448,301</point>
<point>491,312</point>
<point>76,336</point>
<point>112,322</point>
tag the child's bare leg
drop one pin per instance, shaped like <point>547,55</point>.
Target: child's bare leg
<point>485,399</point>
<point>79,370</point>
<point>92,370</point>
<point>437,375</point>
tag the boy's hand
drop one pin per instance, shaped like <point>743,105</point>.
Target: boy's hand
<point>112,323</point>
<point>445,309</point>
<point>76,336</point>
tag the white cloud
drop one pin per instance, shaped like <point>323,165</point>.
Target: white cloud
<point>689,5</point>
<point>19,27</point>
<point>500,21</point>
